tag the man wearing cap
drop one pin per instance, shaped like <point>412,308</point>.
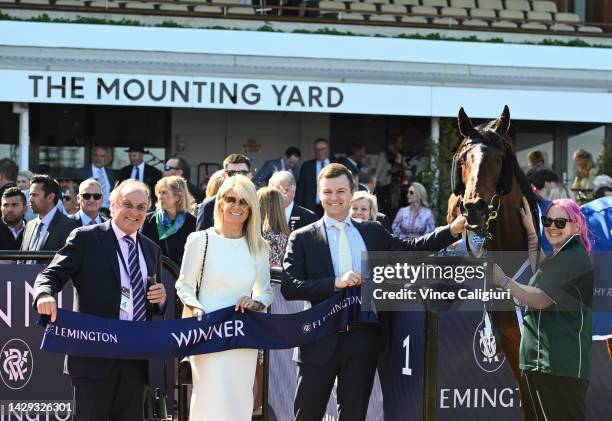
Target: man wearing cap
<point>138,170</point>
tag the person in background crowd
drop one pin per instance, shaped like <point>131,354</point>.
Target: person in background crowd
<point>364,206</point>
<point>559,192</point>
<point>274,225</point>
<point>103,261</point>
<point>543,181</point>
<point>585,170</point>
<point>322,259</point>
<point>556,343</point>
<point>171,223</point>
<point>24,179</point>
<point>535,160</point>
<point>233,164</point>
<point>236,272</point>
<point>12,224</point>
<point>288,162</point>
<point>602,186</point>
<point>69,199</point>
<point>139,170</point>
<point>295,216</point>
<point>214,182</point>
<point>100,156</point>
<point>390,165</point>
<point>416,219</point>
<point>8,174</point>
<point>366,180</point>
<point>276,233</point>
<point>355,159</point>
<point>306,194</point>
<point>90,200</point>
<point>180,166</point>
<point>51,228</point>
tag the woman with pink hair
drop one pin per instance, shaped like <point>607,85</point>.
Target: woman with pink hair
<point>556,344</point>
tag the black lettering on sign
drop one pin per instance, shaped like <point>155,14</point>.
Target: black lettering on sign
<point>233,94</point>
<point>61,87</point>
<point>152,93</point>
<point>140,89</point>
<point>254,96</point>
<point>295,96</point>
<point>199,86</point>
<point>279,94</point>
<point>176,89</point>
<point>74,88</point>
<point>314,94</point>
<point>212,92</point>
<point>35,79</point>
<point>340,97</point>
<point>102,86</point>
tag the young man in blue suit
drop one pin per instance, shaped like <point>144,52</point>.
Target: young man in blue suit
<point>288,162</point>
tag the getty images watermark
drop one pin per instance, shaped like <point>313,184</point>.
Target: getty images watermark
<point>413,281</point>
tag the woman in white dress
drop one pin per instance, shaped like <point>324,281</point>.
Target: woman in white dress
<point>236,273</point>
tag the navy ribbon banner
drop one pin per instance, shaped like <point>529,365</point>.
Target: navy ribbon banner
<point>81,334</point>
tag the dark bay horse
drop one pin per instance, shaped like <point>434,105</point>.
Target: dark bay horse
<point>488,186</point>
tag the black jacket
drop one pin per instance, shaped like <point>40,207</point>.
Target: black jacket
<point>306,193</point>
<point>151,176</point>
<point>300,217</point>
<point>205,214</point>
<point>7,241</point>
<point>173,246</point>
<point>309,272</point>
<point>77,218</point>
<point>90,260</point>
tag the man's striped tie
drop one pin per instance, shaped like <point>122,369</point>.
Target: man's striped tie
<point>138,291</point>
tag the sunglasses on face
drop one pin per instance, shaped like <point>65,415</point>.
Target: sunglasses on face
<point>559,222</point>
<point>87,196</point>
<point>66,198</point>
<point>230,200</point>
<point>169,168</point>
<point>231,173</point>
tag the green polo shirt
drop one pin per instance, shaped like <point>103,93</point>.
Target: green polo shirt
<point>557,340</point>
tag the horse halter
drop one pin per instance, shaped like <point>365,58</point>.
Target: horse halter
<point>504,184</point>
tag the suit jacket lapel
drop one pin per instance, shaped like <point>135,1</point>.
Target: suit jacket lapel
<point>50,229</point>
<point>366,239</point>
<point>321,238</point>
<point>148,256</point>
<point>110,245</point>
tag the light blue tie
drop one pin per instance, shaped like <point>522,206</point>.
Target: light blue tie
<point>139,313</point>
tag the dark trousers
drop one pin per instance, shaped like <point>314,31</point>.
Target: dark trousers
<point>116,397</point>
<point>354,363</point>
<point>557,398</point>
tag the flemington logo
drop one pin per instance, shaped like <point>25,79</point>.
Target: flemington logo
<point>485,350</point>
<point>346,302</point>
<point>16,364</point>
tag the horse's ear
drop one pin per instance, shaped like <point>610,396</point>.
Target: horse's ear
<point>464,123</point>
<point>502,125</point>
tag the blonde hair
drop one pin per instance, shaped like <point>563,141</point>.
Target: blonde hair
<point>178,187</point>
<point>420,190</point>
<point>244,189</point>
<point>214,182</point>
<point>118,191</point>
<point>371,200</point>
<point>272,211</point>
<point>585,156</point>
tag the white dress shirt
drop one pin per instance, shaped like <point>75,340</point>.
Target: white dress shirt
<point>100,175</point>
<point>46,221</point>
<point>125,277</point>
<point>288,211</point>
<point>141,168</point>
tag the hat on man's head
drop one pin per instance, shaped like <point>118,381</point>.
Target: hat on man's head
<point>135,148</point>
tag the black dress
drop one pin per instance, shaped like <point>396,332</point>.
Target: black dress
<point>173,246</point>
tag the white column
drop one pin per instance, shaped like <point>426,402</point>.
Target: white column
<point>435,152</point>
<point>24,134</point>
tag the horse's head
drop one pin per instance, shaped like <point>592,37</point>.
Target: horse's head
<point>483,169</point>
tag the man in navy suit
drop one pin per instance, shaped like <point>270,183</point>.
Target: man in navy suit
<point>306,194</point>
<point>97,170</point>
<point>296,216</point>
<point>233,164</point>
<point>90,200</point>
<point>139,170</point>
<point>288,162</point>
<point>116,272</point>
<point>323,258</point>
<point>355,158</point>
